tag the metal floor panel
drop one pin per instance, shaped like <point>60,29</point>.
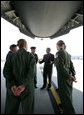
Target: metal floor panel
<point>43,103</point>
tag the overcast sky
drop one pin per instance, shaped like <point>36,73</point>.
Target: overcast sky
<point>10,34</point>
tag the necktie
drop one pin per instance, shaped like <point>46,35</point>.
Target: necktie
<point>47,57</point>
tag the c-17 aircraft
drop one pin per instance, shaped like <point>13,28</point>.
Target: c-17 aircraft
<point>44,19</point>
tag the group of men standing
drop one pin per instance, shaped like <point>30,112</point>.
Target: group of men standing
<point>21,77</point>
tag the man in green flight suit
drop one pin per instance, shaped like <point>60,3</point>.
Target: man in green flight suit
<point>19,71</point>
<point>66,76</point>
<point>33,49</point>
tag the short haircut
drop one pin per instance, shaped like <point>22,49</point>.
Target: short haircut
<point>12,46</point>
<point>49,49</point>
<point>21,43</point>
<point>60,43</point>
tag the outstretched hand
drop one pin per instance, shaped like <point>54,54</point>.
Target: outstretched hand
<point>17,90</point>
<point>39,61</point>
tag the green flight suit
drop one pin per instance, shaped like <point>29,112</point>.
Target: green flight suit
<point>65,70</point>
<point>35,78</point>
<point>19,69</point>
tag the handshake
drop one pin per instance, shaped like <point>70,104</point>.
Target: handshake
<point>17,90</point>
<point>39,61</point>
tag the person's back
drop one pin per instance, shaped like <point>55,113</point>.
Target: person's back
<point>67,63</point>
<point>9,53</point>
<point>19,71</point>
<point>13,48</point>
<point>65,60</point>
<point>66,76</point>
<point>21,61</point>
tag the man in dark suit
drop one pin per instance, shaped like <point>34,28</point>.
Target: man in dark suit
<point>47,71</point>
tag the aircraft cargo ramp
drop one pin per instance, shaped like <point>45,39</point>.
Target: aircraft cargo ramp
<point>46,102</point>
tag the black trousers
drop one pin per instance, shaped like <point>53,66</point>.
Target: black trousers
<point>47,73</point>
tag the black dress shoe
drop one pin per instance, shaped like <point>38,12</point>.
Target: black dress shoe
<point>57,89</point>
<point>42,87</point>
<point>36,87</point>
<point>48,87</point>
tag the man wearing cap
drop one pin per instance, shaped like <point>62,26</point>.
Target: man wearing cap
<point>33,49</point>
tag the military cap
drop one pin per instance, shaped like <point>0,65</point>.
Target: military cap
<point>33,47</point>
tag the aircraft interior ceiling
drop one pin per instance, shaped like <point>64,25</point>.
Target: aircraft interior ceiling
<point>43,19</point>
